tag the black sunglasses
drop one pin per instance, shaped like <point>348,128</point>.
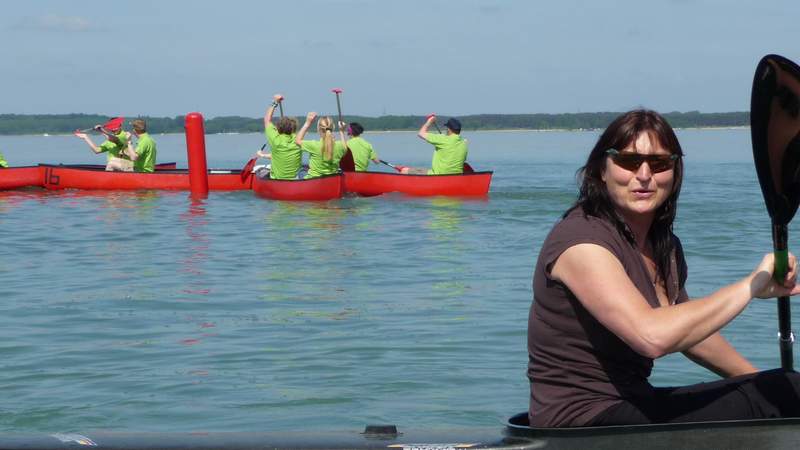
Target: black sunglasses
<point>632,160</point>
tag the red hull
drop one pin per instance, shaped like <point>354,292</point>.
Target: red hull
<point>314,189</point>
<point>377,183</point>
<point>19,177</point>
<point>65,177</point>
<point>33,176</point>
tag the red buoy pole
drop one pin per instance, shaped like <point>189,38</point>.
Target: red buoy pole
<point>196,152</point>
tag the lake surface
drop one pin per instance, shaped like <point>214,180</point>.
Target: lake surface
<point>146,311</point>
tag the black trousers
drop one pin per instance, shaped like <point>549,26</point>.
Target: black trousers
<point>769,394</point>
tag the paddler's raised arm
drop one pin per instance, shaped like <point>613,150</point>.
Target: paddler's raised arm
<point>304,129</point>
<point>276,99</point>
<point>423,130</point>
<point>342,126</point>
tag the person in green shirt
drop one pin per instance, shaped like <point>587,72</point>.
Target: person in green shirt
<point>114,146</point>
<point>286,156</point>
<point>3,162</point>
<point>361,149</point>
<point>324,153</point>
<point>144,155</point>
<point>450,150</point>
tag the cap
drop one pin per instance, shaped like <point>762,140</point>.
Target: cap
<point>453,124</point>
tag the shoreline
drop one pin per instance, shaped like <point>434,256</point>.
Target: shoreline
<point>466,131</point>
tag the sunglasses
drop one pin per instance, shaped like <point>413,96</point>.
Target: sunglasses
<point>632,161</point>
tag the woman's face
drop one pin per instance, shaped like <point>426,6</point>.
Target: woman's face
<point>638,193</point>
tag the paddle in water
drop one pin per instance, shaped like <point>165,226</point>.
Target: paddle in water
<point>775,133</point>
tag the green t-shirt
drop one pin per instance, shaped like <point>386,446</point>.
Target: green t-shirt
<point>146,154</point>
<point>286,154</point>
<point>115,150</point>
<point>3,162</point>
<point>317,166</point>
<point>362,152</point>
<point>449,154</point>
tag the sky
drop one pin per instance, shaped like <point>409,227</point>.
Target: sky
<point>399,57</point>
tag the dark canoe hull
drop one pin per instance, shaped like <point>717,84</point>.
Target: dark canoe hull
<point>752,434</point>
<point>367,184</point>
<point>67,177</point>
<point>33,176</point>
<point>480,438</point>
<point>313,189</point>
<point>735,434</point>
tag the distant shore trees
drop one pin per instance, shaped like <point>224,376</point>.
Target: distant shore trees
<point>17,124</point>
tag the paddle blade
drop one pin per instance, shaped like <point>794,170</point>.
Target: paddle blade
<point>347,164</point>
<point>248,168</point>
<point>775,133</point>
<point>468,168</point>
<point>114,124</point>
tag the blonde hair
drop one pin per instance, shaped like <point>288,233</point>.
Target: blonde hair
<point>325,129</point>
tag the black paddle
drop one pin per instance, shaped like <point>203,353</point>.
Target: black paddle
<point>775,133</point>
<point>346,164</point>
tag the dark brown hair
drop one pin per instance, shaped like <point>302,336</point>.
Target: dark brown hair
<point>286,125</point>
<point>594,199</point>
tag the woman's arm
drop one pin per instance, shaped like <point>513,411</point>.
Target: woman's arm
<point>88,141</point>
<point>277,98</point>
<point>599,281</point>
<point>304,129</point>
<point>718,355</point>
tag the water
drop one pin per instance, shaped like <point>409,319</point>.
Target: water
<point>149,312</point>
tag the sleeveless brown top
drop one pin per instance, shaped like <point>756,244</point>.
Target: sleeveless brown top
<point>577,367</point>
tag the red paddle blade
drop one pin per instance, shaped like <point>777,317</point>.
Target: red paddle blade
<point>114,124</point>
<point>347,164</point>
<point>248,168</point>
<point>336,90</point>
<point>468,168</point>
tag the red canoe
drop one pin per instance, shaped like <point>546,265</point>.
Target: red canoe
<point>377,183</point>
<point>71,177</point>
<point>19,177</point>
<point>33,176</point>
<point>328,187</point>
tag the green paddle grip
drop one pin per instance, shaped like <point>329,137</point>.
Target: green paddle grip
<point>781,265</point>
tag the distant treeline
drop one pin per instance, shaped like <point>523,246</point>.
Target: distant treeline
<point>67,123</point>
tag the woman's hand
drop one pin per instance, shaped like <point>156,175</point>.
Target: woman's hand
<point>277,98</point>
<point>763,285</point>
<point>311,116</point>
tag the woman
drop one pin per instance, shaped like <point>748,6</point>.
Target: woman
<point>286,156</point>
<point>324,153</point>
<point>609,297</point>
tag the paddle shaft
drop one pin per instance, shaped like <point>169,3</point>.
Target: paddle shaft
<point>338,104</point>
<point>780,238</point>
<point>280,108</point>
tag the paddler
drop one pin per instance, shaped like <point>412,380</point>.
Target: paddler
<point>450,149</point>
<point>144,155</point>
<point>326,152</point>
<point>3,162</point>
<point>609,297</point>
<point>114,145</point>
<point>285,155</point>
<point>362,150</point>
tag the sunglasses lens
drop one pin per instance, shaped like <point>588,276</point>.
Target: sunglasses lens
<point>632,161</point>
